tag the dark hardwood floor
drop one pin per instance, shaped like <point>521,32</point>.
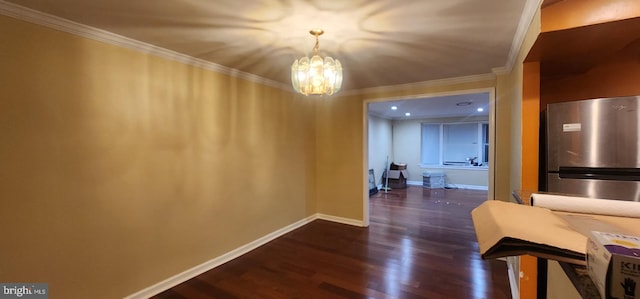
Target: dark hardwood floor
<point>420,244</point>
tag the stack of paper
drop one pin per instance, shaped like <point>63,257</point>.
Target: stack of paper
<point>509,229</point>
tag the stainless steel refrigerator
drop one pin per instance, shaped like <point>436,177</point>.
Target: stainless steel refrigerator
<point>593,148</point>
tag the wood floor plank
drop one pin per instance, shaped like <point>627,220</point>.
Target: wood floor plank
<point>420,244</point>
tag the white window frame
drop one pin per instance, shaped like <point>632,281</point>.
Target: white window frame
<point>481,145</point>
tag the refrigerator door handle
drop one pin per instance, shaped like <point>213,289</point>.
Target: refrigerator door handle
<point>593,173</point>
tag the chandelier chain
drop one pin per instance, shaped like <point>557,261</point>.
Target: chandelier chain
<point>315,48</point>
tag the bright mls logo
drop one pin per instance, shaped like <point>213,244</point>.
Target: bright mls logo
<point>24,290</point>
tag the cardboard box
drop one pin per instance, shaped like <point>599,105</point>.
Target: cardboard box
<point>613,263</point>
<point>397,179</point>
<point>397,166</point>
<point>433,179</point>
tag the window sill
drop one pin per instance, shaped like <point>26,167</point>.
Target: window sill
<point>458,167</point>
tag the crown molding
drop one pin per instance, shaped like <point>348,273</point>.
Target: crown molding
<point>531,7</point>
<point>64,25</point>
<point>431,83</point>
<point>503,70</point>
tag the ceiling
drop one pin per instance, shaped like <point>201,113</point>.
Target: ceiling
<point>379,42</point>
<point>459,106</point>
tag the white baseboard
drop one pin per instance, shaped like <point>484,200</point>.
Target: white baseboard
<point>233,254</point>
<point>340,220</point>
<point>470,187</point>
<point>453,186</point>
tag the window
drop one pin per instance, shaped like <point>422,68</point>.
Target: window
<point>431,144</point>
<point>485,144</point>
<point>455,143</point>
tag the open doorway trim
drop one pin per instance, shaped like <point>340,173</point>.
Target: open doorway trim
<point>365,138</point>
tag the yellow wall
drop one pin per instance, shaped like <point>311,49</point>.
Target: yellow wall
<point>510,127</point>
<point>339,162</point>
<point>509,124</point>
<point>507,93</point>
<point>121,169</point>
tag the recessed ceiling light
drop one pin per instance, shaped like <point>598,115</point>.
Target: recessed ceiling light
<point>480,109</point>
<point>407,114</point>
<point>394,107</point>
<point>464,103</point>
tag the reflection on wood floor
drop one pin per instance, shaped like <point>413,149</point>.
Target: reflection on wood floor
<point>420,244</point>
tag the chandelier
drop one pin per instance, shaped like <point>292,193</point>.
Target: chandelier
<point>316,75</point>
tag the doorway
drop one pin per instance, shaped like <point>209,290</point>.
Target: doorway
<point>406,117</point>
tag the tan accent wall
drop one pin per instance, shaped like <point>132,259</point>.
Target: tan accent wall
<point>121,169</point>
